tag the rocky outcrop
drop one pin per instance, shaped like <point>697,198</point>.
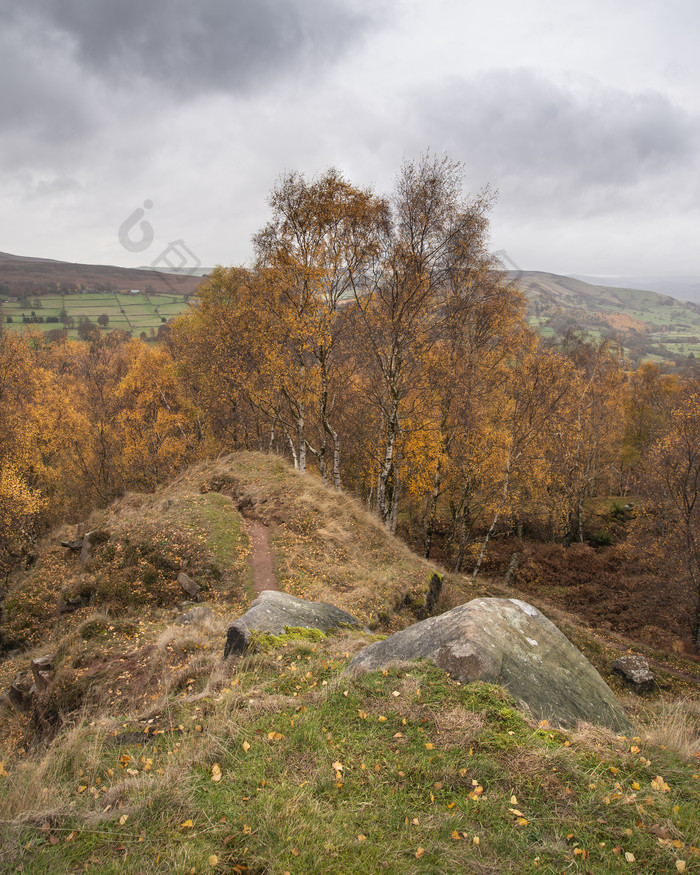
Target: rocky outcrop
<point>274,611</point>
<point>507,642</point>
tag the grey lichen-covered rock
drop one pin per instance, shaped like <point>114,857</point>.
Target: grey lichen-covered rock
<point>274,611</point>
<point>507,642</point>
<point>635,669</point>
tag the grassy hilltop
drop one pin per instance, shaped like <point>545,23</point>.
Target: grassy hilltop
<point>149,754</point>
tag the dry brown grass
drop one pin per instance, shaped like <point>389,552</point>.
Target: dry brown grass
<point>675,724</point>
<point>327,546</point>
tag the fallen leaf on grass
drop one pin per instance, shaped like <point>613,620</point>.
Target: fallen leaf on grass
<point>420,852</point>
<point>213,860</point>
<point>216,773</point>
<point>123,819</point>
<point>246,746</point>
<point>187,824</point>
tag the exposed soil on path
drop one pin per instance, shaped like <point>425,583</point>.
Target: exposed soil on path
<point>263,569</point>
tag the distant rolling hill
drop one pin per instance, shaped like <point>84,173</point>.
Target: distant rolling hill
<point>646,323</point>
<point>682,288</point>
<point>22,274</point>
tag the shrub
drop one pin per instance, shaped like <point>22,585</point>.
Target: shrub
<point>601,539</point>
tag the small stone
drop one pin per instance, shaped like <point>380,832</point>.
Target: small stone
<point>42,669</point>
<point>635,670</point>
<point>188,586</point>
<point>194,616</point>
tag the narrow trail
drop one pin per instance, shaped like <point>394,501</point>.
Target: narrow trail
<point>261,559</point>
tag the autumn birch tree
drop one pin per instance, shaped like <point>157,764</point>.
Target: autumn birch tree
<point>311,256</point>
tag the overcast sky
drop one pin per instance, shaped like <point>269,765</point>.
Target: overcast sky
<point>584,115</point>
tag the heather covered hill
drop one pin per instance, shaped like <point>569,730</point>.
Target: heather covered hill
<point>23,275</point>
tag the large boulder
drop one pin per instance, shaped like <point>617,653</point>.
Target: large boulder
<point>275,611</point>
<point>507,642</point>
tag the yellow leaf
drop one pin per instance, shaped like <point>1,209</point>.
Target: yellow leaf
<point>635,786</point>
<point>361,837</point>
<point>634,749</point>
<point>382,718</point>
<point>523,822</point>
<point>513,800</point>
<point>213,860</point>
<point>123,819</point>
<point>216,773</point>
<point>415,821</point>
<point>420,852</point>
<point>82,789</point>
<point>456,836</point>
<point>680,865</point>
<point>516,812</point>
<point>246,830</point>
<point>246,746</point>
<point>428,746</point>
<point>629,857</point>
<point>338,766</point>
<point>187,825</point>
<point>475,840</point>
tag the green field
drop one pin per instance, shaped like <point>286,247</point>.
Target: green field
<point>135,313</point>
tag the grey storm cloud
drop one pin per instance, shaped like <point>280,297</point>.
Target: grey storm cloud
<point>524,132</point>
<point>190,47</point>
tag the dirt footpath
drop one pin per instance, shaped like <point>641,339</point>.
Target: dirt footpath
<point>263,568</point>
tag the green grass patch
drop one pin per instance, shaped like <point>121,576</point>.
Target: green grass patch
<point>293,767</point>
